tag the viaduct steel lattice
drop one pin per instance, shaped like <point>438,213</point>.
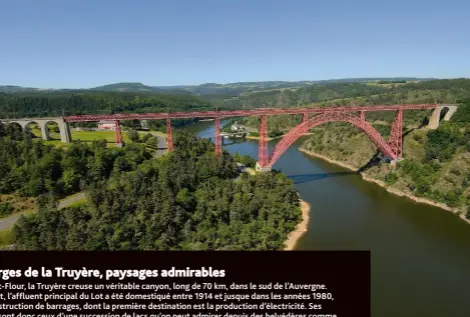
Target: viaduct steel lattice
<point>353,115</point>
<point>312,117</point>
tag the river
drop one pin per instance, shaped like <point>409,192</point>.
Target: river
<point>420,253</point>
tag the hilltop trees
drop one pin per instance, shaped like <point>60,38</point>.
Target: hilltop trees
<point>348,94</point>
<point>353,94</point>
<point>38,104</point>
<point>35,168</point>
<point>187,200</point>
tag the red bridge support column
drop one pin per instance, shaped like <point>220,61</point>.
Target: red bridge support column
<point>396,135</point>
<point>169,135</point>
<point>117,130</point>
<point>305,117</point>
<point>263,155</point>
<point>363,116</point>
<point>218,140</point>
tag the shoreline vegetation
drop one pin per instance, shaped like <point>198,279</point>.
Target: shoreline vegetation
<point>302,226</point>
<point>394,191</point>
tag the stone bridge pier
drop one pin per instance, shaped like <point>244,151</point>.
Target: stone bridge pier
<point>64,128</point>
<point>436,115</point>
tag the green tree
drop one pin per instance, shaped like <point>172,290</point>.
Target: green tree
<point>6,209</point>
<point>134,135</point>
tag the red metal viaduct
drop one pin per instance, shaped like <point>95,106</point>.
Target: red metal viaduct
<point>353,115</point>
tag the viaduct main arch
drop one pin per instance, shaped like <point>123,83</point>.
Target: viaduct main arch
<point>359,122</point>
<point>392,148</point>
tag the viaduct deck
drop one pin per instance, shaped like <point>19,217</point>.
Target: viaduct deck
<point>242,113</point>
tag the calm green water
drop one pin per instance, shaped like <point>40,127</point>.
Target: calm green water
<point>420,254</point>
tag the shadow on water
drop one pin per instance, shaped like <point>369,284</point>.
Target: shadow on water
<point>304,178</point>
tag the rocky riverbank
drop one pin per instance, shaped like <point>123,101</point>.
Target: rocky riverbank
<point>387,188</point>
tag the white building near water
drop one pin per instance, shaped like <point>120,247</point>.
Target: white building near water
<point>107,125</point>
<point>236,127</point>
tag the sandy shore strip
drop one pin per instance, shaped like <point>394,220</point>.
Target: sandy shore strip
<point>251,137</point>
<point>391,190</point>
<point>301,227</point>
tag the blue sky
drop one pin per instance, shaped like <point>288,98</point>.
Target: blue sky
<point>86,43</point>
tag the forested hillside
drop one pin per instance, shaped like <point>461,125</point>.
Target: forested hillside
<point>436,163</point>
<point>355,94</point>
<point>186,200</point>
<point>344,94</point>
<point>42,104</point>
<point>322,94</point>
<point>232,89</point>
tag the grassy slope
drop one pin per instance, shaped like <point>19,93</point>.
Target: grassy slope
<point>19,204</point>
<point>83,136</point>
<point>88,136</point>
<point>6,238</point>
<point>367,93</point>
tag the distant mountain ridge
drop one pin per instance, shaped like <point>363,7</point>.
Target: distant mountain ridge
<point>124,87</point>
<point>240,87</point>
<point>212,88</point>
<point>11,88</point>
